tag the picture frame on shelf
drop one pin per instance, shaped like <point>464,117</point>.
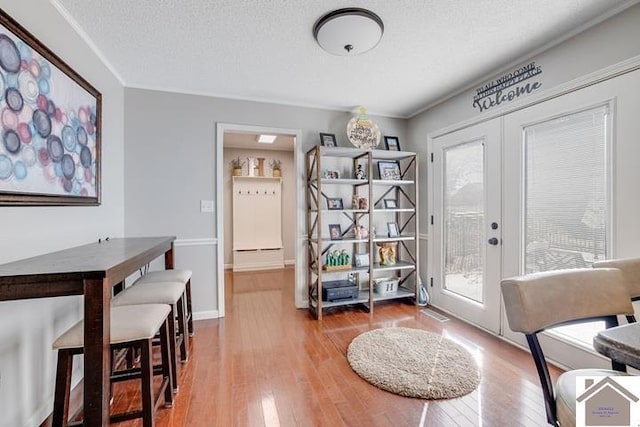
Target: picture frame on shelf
<point>334,203</point>
<point>331,174</point>
<point>389,170</point>
<point>392,143</point>
<point>328,139</point>
<point>393,229</point>
<point>335,232</point>
<point>361,260</point>
<point>363,203</point>
<point>390,203</point>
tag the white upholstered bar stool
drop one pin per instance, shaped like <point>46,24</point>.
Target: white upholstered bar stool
<point>172,275</point>
<point>171,293</point>
<point>134,325</point>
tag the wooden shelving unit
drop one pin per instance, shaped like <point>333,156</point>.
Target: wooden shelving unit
<point>320,162</point>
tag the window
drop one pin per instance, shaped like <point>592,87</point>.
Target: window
<point>464,206</point>
<point>566,200</point>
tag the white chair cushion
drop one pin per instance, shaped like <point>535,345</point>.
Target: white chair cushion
<point>566,392</point>
<point>128,323</point>
<point>150,293</point>
<point>182,276</point>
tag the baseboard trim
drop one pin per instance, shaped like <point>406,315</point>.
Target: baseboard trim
<point>42,418</point>
<point>203,315</point>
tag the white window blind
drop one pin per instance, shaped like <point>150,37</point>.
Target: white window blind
<point>565,210</point>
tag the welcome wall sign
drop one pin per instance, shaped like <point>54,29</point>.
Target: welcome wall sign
<point>508,87</point>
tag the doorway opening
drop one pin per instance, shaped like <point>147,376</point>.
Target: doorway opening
<point>262,232</point>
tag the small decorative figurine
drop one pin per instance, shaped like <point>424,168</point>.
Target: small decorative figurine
<point>360,173</point>
<point>360,232</point>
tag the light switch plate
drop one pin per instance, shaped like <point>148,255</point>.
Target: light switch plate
<point>206,206</point>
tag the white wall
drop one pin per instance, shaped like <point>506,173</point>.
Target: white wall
<point>288,197</point>
<point>28,328</point>
<point>609,42</point>
<point>174,137</point>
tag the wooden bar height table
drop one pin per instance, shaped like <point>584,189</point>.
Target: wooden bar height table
<point>90,270</point>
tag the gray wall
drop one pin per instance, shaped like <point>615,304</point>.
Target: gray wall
<point>170,166</point>
<point>28,328</point>
<point>610,42</point>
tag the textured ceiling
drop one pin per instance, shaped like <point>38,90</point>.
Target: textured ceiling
<point>264,50</point>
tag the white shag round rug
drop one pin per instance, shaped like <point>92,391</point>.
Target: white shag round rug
<point>413,363</point>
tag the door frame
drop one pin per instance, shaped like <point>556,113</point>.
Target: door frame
<point>298,158</point>
<point>489,134</point>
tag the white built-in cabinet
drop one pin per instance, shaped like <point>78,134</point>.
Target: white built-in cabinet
<point>257,223</point>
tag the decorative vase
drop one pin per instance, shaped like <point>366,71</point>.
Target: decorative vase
<point>277,173</point>
<point>423,295</point>
<point>260,166</point>
<point>363,132</point>
<point>387,252</point>
<point>237,172</point>
<point>252,166</point>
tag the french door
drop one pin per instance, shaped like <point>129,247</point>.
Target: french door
<point>558,157</point>
<point>543,188</point>
<point>466,254</point>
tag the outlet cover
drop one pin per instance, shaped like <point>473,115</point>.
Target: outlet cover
<point>206,206</point>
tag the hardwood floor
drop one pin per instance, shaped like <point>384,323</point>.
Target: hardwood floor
<point>269,364</point>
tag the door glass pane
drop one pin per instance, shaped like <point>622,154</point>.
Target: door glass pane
<point>464,236</point>
<point>566,196</point>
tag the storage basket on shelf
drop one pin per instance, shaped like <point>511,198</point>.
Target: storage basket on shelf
<point>385,285</point>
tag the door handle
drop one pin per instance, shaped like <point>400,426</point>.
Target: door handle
<point>493,241</point>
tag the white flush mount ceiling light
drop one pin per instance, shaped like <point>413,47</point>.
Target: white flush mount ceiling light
<point>266,139</point>
<point>349,31</point>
